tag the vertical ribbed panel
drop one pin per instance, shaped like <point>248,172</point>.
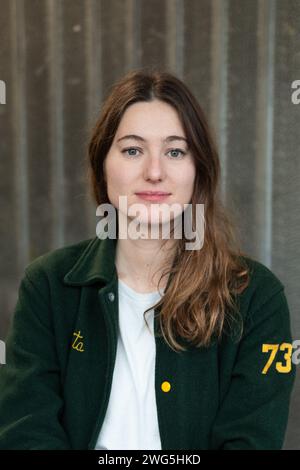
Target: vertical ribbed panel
<point>265,129</point>
<point>59,58</point>
<point>218,85</point>
<point>285,227</point>
<point>55,111</point>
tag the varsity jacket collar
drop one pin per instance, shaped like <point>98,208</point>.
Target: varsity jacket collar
<point>96,263</point>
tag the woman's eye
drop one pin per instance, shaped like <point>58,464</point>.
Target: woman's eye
<point>130,149</point>
<point>178,150</point>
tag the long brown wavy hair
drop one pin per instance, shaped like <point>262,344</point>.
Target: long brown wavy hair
<point>200,300</point>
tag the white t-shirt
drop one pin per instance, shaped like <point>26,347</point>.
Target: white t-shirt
<point>131,417</point>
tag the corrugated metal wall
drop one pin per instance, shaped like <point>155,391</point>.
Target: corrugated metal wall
<point>58,59</point>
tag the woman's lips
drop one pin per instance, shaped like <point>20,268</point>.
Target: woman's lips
<point>153,197</point>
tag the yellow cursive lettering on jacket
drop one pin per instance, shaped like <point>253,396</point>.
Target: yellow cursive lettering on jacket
<point>78,345</point>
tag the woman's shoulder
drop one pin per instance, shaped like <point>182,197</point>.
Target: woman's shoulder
<point>261,273</point>
<point>55,263</point>
<point>264,286</point>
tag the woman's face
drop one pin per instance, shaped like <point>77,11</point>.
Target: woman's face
<point>153,161</point>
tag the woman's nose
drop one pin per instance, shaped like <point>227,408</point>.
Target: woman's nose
<point>154,168</point>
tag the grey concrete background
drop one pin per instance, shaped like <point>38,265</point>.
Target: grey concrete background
<point>59,57</point>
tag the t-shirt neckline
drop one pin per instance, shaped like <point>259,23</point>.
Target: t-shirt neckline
<point>145,296</point>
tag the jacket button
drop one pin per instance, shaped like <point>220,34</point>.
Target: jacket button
<point>111,296</point>
<point>166,386</point>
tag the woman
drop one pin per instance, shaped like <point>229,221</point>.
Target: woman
<point>85,368</point>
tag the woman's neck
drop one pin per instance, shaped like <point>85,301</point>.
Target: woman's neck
<point>140,263</point>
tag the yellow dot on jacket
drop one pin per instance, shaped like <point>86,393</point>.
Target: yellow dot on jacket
<point>166,386</point>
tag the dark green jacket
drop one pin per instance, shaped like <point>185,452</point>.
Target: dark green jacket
<point>55,386</point>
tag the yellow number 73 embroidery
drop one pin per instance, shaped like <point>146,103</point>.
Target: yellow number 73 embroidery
<point>284,368</point>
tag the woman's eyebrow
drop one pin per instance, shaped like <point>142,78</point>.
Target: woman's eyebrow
<point>170,138</point>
